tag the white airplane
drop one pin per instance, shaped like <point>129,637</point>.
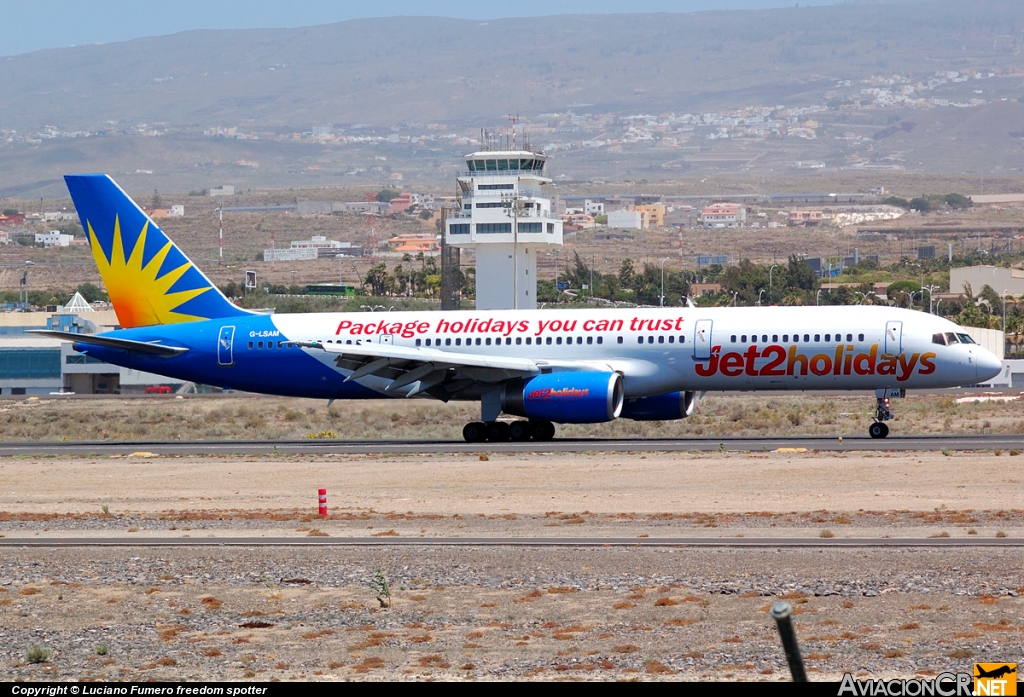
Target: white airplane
<point>547,366</point>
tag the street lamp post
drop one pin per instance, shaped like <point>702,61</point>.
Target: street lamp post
<point>760,293</point>
<point>770,286</point>
<point>1002,301</point>
<point>734,294</point>
<point>662,303</point>
<point>817,297</point>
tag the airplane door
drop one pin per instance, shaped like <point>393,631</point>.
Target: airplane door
<point>894,338</point>
<point>386,339</point>
<point>702,340</point>
<point>226,347</point>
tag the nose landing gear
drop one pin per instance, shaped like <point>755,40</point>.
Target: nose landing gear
<point>882,411</point>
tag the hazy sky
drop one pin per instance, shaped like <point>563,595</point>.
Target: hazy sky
<point>39,24</point>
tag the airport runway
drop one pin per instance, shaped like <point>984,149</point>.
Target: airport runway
<point>705,542</point>
<point>569,445</point>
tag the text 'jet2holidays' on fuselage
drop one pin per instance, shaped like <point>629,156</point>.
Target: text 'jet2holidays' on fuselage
<point>547,366</point>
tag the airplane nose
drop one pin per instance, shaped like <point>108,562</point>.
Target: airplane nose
<point>987,364</point>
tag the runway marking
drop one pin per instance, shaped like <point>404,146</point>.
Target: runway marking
<point>682,542</point>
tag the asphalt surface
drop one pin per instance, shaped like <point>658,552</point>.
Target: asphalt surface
<point>574,445</point>
<point>734,542</point>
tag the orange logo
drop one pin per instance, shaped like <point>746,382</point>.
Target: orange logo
<point>995,678</point>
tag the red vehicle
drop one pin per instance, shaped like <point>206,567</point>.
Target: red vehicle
<point>158,389</point>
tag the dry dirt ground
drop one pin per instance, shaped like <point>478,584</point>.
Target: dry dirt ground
<point>605,613</point>
<point>234,416</point>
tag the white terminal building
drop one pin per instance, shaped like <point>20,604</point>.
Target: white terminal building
<point>505,221</point>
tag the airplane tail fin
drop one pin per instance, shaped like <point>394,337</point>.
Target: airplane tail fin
<point>149,280</point>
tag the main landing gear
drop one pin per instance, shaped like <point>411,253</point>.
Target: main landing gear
<point>882,412</point>
<point>500,432</point>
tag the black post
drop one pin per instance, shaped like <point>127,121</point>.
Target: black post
<point>781,612</point>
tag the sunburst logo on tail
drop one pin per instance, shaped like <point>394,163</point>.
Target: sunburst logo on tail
<point>141,295</point>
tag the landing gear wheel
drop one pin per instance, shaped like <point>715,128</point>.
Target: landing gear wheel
<point>878,430</point>
<point>543,430</point>
<point>520,431</point>
<point>498,432</point>
<point>474,432</point>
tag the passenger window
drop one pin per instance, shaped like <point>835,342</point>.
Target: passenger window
<point>732,338</point>
<point>671,340</point>
<point>557,341</point>
<point>349,342</point>
<point>682,339</point>
<point>828,337</point>
<point>250,344</point>
<point>590,339</point>
<point>860,337</point>
<point>478,341</point>
<point>639,340</point>
<point>743,339</point>
<point>428,342</point>
<point>458,342</point>
<point>764,338</point>
<point>817,337</point>
<point>447,342</point>
<point>529,341</point>
<point>579,339</point>
<point>488,342</point>
<point>549,341</point>
<point>519,340</point>
<point>259,344</point>
<point>650,340</point>
<point>417,342</point>
<point>807,337</point>
<point>775,338</point>
<point>600,339</point>
<point>849,337</point>
<point>785,337</point>
<point>661,339</point>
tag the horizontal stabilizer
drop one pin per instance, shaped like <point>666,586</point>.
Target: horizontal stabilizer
<point>111,342</point>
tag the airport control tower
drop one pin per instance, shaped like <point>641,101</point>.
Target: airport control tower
<point>506,223</point>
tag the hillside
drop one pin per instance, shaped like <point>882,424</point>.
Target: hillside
<point>144,104</point>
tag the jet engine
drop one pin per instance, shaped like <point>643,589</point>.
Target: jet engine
<point>662,407</point>
<point>566,397</point>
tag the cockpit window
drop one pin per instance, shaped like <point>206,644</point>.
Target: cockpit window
<point>951,338</point>
<point>965,338</point>
<point>939,339</point>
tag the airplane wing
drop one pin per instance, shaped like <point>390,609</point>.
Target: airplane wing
<point>111,342</point>
<point>404,365</point>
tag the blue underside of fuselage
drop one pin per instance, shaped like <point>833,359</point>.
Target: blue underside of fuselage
<point>282,371</point>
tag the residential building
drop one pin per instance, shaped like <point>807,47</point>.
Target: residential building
<point>626,220</point>
<point>225,190</point>
<point>723,215</point>
<point>653,214</point>
<point>805,217</point>
<point>54,238</point>
<point>412,244</point>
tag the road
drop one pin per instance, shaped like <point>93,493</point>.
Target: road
<point>569,445</point>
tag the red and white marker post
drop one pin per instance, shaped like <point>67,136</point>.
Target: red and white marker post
<point>323,501</point>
